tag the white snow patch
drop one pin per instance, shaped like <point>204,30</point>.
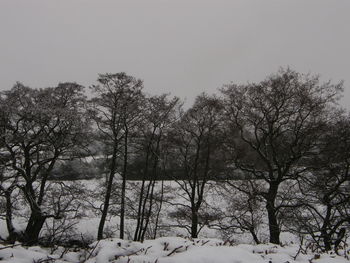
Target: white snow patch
<point>166,250</point>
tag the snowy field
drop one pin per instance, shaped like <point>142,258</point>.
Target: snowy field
<point>166,250</point>
<point>86,224</point>
<point>170,247</point>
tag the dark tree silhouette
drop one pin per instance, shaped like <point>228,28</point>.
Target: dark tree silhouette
<point>195,157</point>
<point>278,121</point>
<point>41,127</point>
<point>116,110</point>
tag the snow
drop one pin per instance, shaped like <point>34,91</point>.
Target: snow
<point>19,254</point>
<point>166,250</point>
<point>161,250</point>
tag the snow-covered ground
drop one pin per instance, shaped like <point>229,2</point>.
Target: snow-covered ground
<point>167,250</point>
<point>87,224</point>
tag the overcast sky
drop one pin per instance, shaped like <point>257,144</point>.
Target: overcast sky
<point>179,46</point>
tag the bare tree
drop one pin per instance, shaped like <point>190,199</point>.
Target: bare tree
<point>160,113</point>
<point>67,196</point>
<point>324,211</point>
<point>116,110</point>
<point>41,127</point>
<point>7,182</point>
<point>8,185</point>
<point>278,121</point>
<point>195,158</point>
<point>241,210</point>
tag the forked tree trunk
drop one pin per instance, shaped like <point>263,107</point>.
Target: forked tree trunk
<point>36,219</point>
<point>325,235</point>
<point>143,211</point>
<point>150,192</point>
<point>142,196</point>
<point>149,212</point>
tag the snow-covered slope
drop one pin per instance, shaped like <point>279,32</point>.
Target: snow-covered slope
<point>166,250</point>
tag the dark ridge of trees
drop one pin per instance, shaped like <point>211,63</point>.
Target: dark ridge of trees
<point>253,143</point>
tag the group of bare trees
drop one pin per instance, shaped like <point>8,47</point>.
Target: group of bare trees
<point>278,151</point>
<point>196,157</point>
<point>40,127</point>
<point>285,129</point>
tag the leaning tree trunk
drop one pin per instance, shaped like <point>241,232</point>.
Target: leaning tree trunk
<point>108,194</point>
<point>149,212</point>
<point>34,226</point>
<point>150,192</point>
<point>143,212</point>
<point>36,219</point>
<point>254,235</point>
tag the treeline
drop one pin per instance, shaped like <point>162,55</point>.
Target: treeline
<point>285,137</point>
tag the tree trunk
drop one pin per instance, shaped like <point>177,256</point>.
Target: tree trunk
<point>159,210</point>
<point>194,225</point>
<point>326,237</point>
<point>327,241</point>
<point>149,212</point>
<point>150,195</point>
<point>141,196</point>
<point>108,195</point>
<point>34,226</point>
<point>10,228</point>
<point>273,224</point>
<point>143,212</point>
<point>122,203</point>
<point>255,237</point>
<point>272,213</point>
<point>36,219</point>
<point>138,221</point>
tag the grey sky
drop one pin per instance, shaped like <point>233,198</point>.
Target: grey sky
<point>179,46</point>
